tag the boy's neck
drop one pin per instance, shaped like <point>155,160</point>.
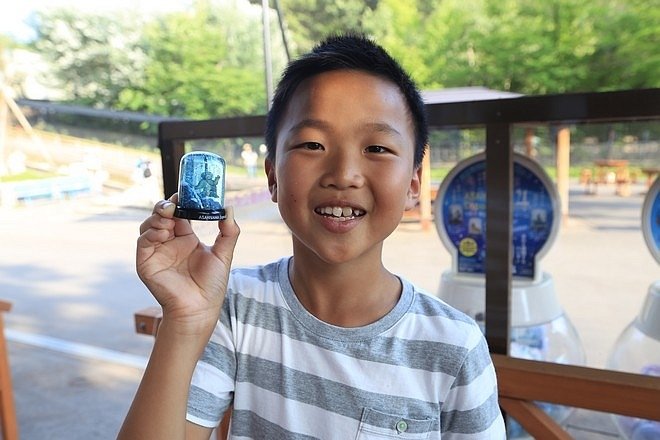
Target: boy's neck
<point>352,294</point>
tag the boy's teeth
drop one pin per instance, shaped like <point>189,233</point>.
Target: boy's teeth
<point>338,211</point>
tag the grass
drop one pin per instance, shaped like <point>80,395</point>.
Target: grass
<point>29,174</point>
<point>237,170</point>
<point>439,173</point>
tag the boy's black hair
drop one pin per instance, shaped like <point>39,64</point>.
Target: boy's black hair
<point>347,52</point>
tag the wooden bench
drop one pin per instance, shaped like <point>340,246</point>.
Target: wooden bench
<point>522,382</point>
<point>608,171</point>
<point>587,179</point>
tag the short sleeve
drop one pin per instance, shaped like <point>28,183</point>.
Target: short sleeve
<point>212,385</point>
<point>471,409</point>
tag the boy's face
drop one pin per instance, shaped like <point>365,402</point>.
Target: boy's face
<point>343,173</point>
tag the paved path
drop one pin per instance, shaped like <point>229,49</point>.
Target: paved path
<point>69,270</point>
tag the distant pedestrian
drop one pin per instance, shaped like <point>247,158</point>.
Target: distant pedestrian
<point>250,158</point>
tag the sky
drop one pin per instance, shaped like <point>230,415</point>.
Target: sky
<point>15,15</point>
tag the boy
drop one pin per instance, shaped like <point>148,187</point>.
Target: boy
<point>328,343</point>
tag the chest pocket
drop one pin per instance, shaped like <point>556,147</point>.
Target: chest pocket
<point>376,425</point>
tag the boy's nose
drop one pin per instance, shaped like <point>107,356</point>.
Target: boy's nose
<point>342,171</point>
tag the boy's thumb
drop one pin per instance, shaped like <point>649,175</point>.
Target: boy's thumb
<point>228,233</point>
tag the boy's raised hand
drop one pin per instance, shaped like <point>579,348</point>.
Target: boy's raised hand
<point>187,277</point>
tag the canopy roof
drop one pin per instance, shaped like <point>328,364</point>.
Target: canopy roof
<point>463,94</point>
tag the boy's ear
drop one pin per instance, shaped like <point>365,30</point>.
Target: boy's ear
<point>272,181</point>
<point>414,190</point>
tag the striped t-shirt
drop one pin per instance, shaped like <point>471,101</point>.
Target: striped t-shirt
<point>423,371</point>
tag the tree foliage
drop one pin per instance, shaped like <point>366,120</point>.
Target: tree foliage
<point>535,47</point>
<point>208,62</point>
<point>190,72</point>
<point>94,57</point>
<point>525,46</point>
<point>312,20</point>
<point>627,54</point>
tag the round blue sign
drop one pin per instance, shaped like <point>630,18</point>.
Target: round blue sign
<point>651,219</point>
<point>461,209</point>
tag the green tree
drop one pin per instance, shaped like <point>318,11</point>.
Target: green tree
<point>533,47</point>
<point>202,64</point>
<point>94,57</point>
<point>628,54</point>
<point>309,21</point>
<point>404,36</point>
<point>524,45</point>
<point>209,61</point>
<point>433,40</point>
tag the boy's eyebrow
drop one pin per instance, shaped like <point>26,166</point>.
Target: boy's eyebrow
<point>383,127</point>
<point>316,123</point>
<point>310,123</point>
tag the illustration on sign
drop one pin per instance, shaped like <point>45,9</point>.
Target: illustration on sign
<point>464,216</point>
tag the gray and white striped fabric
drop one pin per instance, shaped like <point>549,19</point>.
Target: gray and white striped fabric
<point>421,372</point>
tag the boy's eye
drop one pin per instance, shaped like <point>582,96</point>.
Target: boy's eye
<point>311,146</point>
<point>376,149</point>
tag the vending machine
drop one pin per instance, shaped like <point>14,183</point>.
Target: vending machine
<point>540,330</point>
<point>637,350</point>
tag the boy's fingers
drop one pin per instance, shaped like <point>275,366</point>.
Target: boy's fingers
<point>182,227</point>
<point>163,212</point>
<point>227,237</point>
<point>149,240</point>
<point>161,216</point>
<point>153,237</point>
<point>164,208</point>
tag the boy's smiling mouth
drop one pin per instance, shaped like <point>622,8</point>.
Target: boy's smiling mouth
<point>341,213</point>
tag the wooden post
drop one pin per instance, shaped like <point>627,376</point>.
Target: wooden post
<point>499,214</point>
<point>20,117</point>
<point>425,192</point>
<point>563,166</point>
<point>529,142</point>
